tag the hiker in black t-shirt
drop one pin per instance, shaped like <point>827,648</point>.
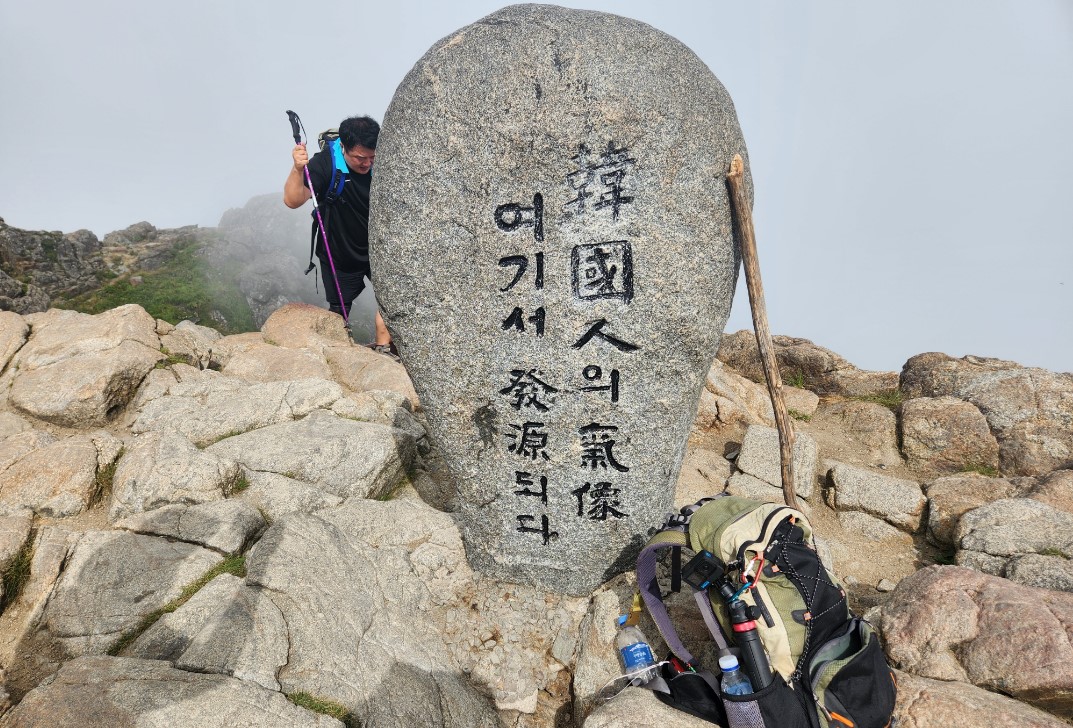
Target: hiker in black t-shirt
<point>346,217</point>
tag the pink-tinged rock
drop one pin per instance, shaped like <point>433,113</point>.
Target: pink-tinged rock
<point>947,434</point>
<point>925,703</point>
<point>953,623</point>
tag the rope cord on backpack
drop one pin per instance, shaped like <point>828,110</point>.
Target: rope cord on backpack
<point>800,580</point>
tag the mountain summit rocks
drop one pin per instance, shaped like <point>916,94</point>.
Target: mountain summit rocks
<point>552,245</point>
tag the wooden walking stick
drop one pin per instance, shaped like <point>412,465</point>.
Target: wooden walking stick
<point>743,216</point>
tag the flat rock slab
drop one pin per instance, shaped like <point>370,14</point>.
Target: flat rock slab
<point>343,457</point>
<point>552,240</point>
<point>226,628</point>
<point>1020,538</point>
<point>80,371</point>
<point>947,434</point>
<point>224,526</point>
<point>267,363</point>
<point>302,326</point>
<point>361,369</point>
<point>122,692</point>
<point>113,580</point>
<point>13,334</point>
<point>350,611</point>
<point>56,480</point>
<point>897,501</point>
<point>925,703</point>
<point>761,457</point>
<point>277,495</point>
<point>952,623</point>
<point>1029,410</point>
<point>162,468</point>
<point>207,409</point>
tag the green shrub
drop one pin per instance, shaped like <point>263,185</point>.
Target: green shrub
<point>186,287</point>
<point>320,705</point>
<point>17,573</point>
<point>891,399</point>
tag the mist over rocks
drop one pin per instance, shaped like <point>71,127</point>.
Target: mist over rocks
<point>263,245</point>
<point>296,565</point>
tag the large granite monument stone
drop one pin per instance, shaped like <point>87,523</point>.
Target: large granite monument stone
<point>552,249</point>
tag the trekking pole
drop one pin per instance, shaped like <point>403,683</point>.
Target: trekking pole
<point>296,125</point>
<point>747,238</point>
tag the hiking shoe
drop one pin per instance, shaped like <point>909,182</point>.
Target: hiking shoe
<point>388,350</point>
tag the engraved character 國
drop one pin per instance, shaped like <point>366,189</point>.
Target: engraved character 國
<point>602,270</point>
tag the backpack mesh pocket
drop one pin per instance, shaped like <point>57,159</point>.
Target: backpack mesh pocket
<point>850,677</point>
<point>776,706</point>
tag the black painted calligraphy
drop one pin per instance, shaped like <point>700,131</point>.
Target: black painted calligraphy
<point>528,440</point>
<point>603,501</point>
<point>544,529</point>
<point>522,262</point>
<point>596,330</point>
<point>597,447</point>
<point>593,373</point>
<point>525,480</point>
<point>517,320</point>
<point>528,389</point>
<point>602,270</point>
<point>606,172</point>
<point>511,216</point>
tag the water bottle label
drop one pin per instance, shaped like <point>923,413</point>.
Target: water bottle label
<point>637,656</point>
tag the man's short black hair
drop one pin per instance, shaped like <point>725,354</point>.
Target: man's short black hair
<point>361,130</point>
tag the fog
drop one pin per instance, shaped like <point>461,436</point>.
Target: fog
<point>911,159</point>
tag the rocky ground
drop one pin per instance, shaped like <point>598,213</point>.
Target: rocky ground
<point>195,528</point>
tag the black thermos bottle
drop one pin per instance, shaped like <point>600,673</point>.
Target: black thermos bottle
<point>753,657</point>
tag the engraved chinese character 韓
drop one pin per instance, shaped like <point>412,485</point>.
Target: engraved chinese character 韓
<point>511,216</point>
<point>603,501</point>
<point>544,529</point>
<point>606,172</point>
<point>602,270</point>
<point>597,447</point>
<point>593,373</point>
<point>528,440</point>
<point>527,388</point>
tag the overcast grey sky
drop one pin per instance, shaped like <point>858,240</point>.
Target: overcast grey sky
<point>912,158</point>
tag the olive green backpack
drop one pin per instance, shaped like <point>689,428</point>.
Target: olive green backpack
<point>829,668</point>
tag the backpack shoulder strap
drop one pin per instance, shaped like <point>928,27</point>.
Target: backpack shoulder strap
<point>339,173</point>
<point>674,535</point>
<point>648,585</point>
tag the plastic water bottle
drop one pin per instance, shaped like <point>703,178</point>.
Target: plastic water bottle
<point>734,680</point>
<point>636,655</point>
